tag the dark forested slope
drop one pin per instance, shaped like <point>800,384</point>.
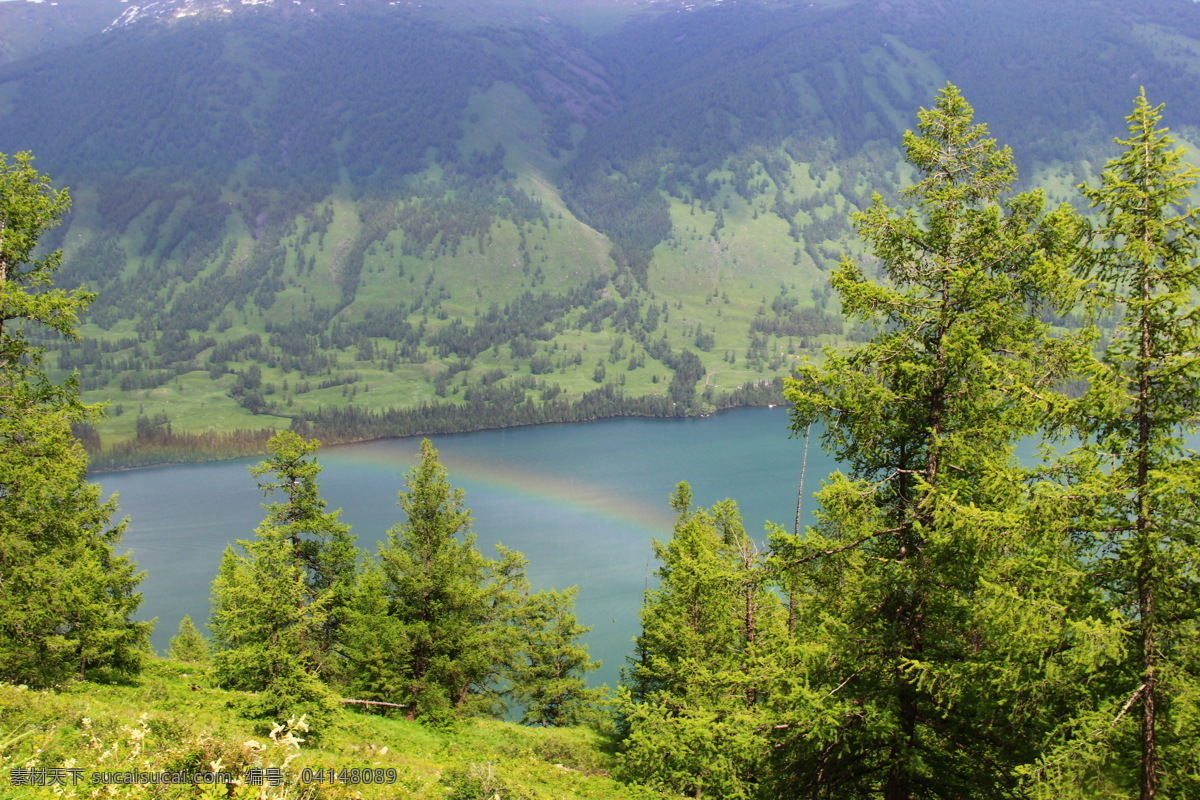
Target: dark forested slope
<point>371,217</point>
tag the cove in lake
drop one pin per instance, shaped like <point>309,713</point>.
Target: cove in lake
<point>581,501</point>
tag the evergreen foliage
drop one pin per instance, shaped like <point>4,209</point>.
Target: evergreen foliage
<point>66,597</point>
<point>958,625</point>
<point>262,625</point>
<point>323,547</point>
<point>432,580</point>
<point>188,644</point>
<point>438,628</point>
<point>547,676</point>
<point>430,626</point>
<point>271,613</point>
<point>1140,487</point>
<point>924,599</point>
<point>692,698</point>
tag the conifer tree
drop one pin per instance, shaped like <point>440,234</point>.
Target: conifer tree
<point>375,642</point>
<point>923,599</point>
<point>1144,526</point>
<point>271,605</point>
<point>436,624</point>
<point>693,696</point>
<point>66,597</point>
<point>188,644</point>
<point>323,546</point>
<point>262,625</point>
<point>547,676</point>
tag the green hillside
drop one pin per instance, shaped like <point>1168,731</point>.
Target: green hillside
<point>171,719</point>
<point>485,214</point>
<point>385,219</point>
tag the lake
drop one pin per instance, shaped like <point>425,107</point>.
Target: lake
<point>581,501</point>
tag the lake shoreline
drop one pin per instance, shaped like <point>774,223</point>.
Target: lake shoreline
<point>582,502</point>
<point>251,452</point>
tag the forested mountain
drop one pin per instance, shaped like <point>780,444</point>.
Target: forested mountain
<point>366,217</point>
<point>288,207</point>
<point>29,27</point>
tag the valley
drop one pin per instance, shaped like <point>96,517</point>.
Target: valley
<point>298,224</point>
<point>374,219</point>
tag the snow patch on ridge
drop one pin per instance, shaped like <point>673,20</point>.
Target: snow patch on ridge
<point>178,9</point>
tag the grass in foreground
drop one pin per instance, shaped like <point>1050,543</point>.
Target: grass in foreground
<point>171,720</point>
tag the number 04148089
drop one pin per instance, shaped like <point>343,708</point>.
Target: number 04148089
<point>355,775</point>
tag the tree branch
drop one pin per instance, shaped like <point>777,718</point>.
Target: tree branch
<point>375,703</point>
<point>843,549</point>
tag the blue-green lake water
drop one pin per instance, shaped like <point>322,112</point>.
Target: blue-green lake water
<point>581,501</point>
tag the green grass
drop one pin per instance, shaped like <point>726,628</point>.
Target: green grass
<point>172,718</point>
<point>718,283</point>
<point>717,280</point>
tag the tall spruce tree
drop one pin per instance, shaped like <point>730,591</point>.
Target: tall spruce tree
<point>436,624</point>
<point>923,601</point>
<point>547,675</point>
<point>695,689</point>
<point>272,602</point>
<point>66,597</point>
<point>323,547</point>
<point>1143,528</point>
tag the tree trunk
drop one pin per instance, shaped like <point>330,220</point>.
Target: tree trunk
<point>1146,576</point>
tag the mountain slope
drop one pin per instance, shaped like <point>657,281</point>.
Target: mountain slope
<point>368,218</point>
<point>32,26</point>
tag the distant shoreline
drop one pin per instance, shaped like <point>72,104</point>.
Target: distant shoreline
<point>180,455</point>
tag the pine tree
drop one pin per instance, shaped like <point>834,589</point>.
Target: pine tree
<point>262,625</point>
<point>1144,527</point>
<point>188,644</point>
<point>437,624</point>
<point>271,606</point>
<point>547,677</point>
<point>66,598</point>
<point>323,547</point>
<point>924,600</point>
<point>693,696</point>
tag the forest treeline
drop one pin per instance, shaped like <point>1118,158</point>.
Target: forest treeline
<point>488,408</point>
<point>365,229</point>
<point>960,624</point>
<point>957,623</point>
<point>300,617</point>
